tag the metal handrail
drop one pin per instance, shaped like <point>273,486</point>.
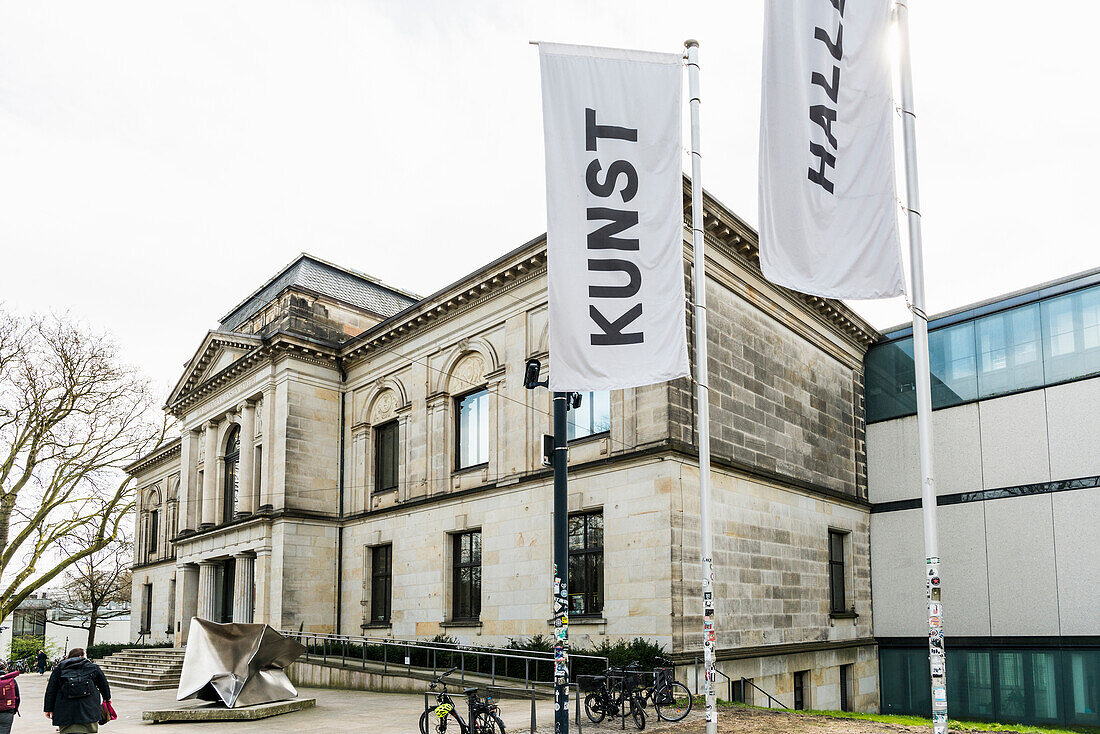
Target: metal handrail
<point>479,653</point>
<point>745,680</point>
<point>729,681</point>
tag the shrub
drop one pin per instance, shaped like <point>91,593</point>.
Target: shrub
<point>104,649</point>
<point>23,648</point>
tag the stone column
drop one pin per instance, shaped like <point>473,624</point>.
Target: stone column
<point>187,599</point>
<point>244,598</point>
<point>246,503</point>
<point>267,449</point>
<point>208,590</point>
<point>188,491</point>
<point>210,478</point>
<point>260,573</point>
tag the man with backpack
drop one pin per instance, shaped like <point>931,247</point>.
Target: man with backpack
<point>9,700</point>
<point>73,694</point>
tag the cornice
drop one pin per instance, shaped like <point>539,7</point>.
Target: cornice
<point>155,457</point>
<point>280,343</point>
<point>452,304</point>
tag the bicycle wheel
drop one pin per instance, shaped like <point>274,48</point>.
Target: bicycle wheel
<point>487,723</point>
<point>593,708</point>
<point>674,703</point>
<point>637,712</point>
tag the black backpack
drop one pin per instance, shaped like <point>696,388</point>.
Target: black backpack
<point>77,684</point>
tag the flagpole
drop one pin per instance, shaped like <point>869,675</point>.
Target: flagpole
<point>936,656</point>
<point>702,386</point>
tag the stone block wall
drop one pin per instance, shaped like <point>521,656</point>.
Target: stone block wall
<point>312,445</point>
<point>160,576</point>
<point>771,564</point>
<point>778,401</point>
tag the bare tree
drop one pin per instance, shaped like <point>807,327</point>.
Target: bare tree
<point>95,582</point>
<point>71,417</point>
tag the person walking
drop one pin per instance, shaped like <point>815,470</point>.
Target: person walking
<point>41,660</point>
<point>73,694</point>
<point>9,700</point>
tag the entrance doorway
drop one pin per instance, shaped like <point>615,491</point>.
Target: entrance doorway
<point>224,606</point>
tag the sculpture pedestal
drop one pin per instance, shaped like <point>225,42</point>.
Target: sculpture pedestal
<point>218,712</point>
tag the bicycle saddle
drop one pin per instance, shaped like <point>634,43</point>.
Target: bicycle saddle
<point>468,691</point>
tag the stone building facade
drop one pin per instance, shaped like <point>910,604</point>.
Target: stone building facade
<point>387,466</point>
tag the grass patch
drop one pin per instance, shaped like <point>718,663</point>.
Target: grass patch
<point>906,720</point>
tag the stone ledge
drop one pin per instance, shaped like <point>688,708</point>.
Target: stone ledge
<point>217,712</point>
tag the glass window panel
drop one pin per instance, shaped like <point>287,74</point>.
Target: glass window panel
<point>904,675</point>
<point>952,360</point>
<point>385,446</point>
<point>1008,351</point>
<point>595,530</point>
<point>473,429</point>
<point>578,584</point>
<point>890,381</point>
<point>475,547</point>
<point>969,684</point>
<point>1044,686</point>
<point>1083,687</point>
<point>576,532</point>
<point>595,561</point>
<point>1011,692</point>
<point>594,415</point>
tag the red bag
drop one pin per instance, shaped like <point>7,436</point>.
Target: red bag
<point>9,692</point>
<point>108,713</point>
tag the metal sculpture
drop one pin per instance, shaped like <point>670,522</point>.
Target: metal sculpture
<point>237,664</point>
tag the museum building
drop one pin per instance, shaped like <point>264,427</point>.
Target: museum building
<point>356,459</point>
<point>1015,392</point>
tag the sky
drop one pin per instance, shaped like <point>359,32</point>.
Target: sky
<point>160,160</point>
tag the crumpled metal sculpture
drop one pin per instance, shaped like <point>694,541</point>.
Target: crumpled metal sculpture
<point>237,664</point>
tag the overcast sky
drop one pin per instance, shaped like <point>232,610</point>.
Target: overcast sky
<point>160,160</point>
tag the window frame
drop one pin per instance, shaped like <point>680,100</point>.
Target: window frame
<point>457,567</point>
<point>838,569</point>
<point>458,400</point>
<point>586,399</point>
<point>590,594</point>
<point>384,578</point>
<point>231,484</point>
<point>379,433</point>
<point>154,529</point>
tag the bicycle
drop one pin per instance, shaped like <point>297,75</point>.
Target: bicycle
<point>671,699</point>
<point>606,698</point>
<point>484,716</point>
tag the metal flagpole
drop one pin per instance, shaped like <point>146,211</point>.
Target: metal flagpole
<point>702,386</point>
<point>561,565</point>
<point>936,655</point>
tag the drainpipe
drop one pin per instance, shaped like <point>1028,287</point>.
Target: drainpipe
<point>340,502</point>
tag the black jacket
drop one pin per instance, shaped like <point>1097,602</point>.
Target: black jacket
<point>67,678</point>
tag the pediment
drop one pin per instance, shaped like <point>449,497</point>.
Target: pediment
<point>217,351</point>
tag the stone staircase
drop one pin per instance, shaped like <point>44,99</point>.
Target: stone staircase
<point>144,669</point>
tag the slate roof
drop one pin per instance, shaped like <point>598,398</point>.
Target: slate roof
<point>324,278</point>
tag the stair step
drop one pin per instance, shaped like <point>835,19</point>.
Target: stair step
<point>144,669</point>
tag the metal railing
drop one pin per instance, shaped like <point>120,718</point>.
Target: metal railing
<point>771,698</point>
<point>729,681</point>
<point>422,655</point>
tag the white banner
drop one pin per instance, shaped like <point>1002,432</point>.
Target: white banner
<point>614,201</point>
<point>828,206</point>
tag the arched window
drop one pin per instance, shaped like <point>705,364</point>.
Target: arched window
<point>232,477</point>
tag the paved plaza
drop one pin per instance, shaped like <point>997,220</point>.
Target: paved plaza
<point>336,711</point>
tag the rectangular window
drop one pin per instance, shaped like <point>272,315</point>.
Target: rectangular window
<point>837,600</point>
<point>154,529</point>
<point>146,608</point>
<point>845,687</point>
<point>381,578</point>
<point>801,679</point>
<point>29,623</point>
<point>466,586</point>
<point>385,457</point>
<point>473,429</point>
<point>594,415</point>
<point>586,564</point>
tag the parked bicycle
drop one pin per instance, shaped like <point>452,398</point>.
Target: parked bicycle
<point>671,699</point>
<point>616,695</point>
<point>484,716</point>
